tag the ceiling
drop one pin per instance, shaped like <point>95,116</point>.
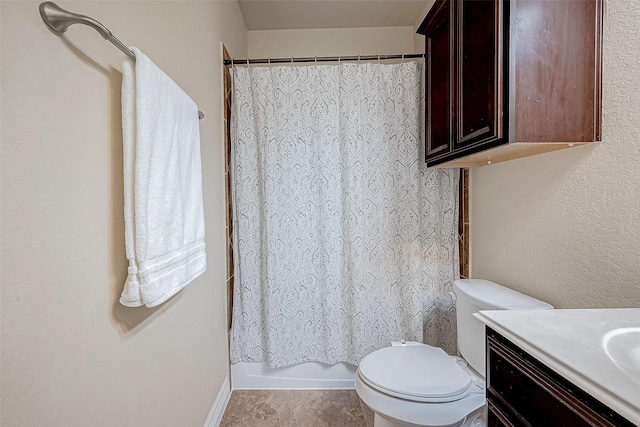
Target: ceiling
<point>305,14</point>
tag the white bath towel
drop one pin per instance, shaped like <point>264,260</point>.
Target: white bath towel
<point>164,217</point>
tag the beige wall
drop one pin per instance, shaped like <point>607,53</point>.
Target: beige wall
<point>418,39</point>
<point>565,226</point>
<point>71,354</point>
<point>330,42</point>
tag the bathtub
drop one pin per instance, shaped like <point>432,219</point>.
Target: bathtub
<point>309,375</point>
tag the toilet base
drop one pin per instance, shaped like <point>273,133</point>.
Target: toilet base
<point>379,421</point>
<point>474,419</point>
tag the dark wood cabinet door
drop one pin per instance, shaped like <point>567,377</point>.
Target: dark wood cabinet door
<point>478,72</point>
<point>521,391</point>
<point>496,417</point>
<point>437,30</point>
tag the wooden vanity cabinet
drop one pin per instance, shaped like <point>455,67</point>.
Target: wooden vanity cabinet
<point>521,391</point>
<point>510,78</point>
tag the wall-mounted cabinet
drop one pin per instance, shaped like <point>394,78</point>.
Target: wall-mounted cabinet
<point>508,79</point>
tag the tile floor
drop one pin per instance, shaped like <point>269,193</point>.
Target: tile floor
<point>295,408</point>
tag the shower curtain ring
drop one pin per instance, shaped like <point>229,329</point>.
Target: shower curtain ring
<point>268,60</point>
<point>316,58</point>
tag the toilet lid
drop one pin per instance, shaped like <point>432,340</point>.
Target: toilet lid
<point>417,373</point>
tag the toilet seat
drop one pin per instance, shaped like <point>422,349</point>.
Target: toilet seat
<point>415,373</point>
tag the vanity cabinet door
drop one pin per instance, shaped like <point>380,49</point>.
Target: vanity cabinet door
<point>438,30</point>
<point>478,72</point>
<point>496,417</point>
<point>522,391</point>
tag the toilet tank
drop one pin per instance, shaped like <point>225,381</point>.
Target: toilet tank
<point>473,295</point>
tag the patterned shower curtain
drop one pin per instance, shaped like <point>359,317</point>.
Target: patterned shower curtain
<point>343,240</point>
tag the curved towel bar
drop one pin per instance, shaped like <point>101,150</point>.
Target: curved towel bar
<point>59,20</point>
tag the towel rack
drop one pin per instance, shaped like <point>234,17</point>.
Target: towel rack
<point>59,20</point>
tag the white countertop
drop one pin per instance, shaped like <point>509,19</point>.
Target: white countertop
<point>572,343</point>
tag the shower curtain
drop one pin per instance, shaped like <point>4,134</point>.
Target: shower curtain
<point>343,240</point>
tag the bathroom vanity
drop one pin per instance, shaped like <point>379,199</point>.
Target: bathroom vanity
<point>563,367</point>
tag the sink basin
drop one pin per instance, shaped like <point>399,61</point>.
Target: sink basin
<point>623,348</point>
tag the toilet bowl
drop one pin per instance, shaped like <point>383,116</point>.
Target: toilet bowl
<point>421,385</point>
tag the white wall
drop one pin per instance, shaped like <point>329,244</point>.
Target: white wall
<point>71,354</point>
<point>565,226</point>
<point>330,42</point>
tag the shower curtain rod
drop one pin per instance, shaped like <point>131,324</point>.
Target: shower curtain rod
<point>59,20</point>
<point>322,59</point>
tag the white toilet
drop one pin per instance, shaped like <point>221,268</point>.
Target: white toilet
<point>416,384</point>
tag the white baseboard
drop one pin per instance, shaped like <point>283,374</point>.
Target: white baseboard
<point>219,405</point>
